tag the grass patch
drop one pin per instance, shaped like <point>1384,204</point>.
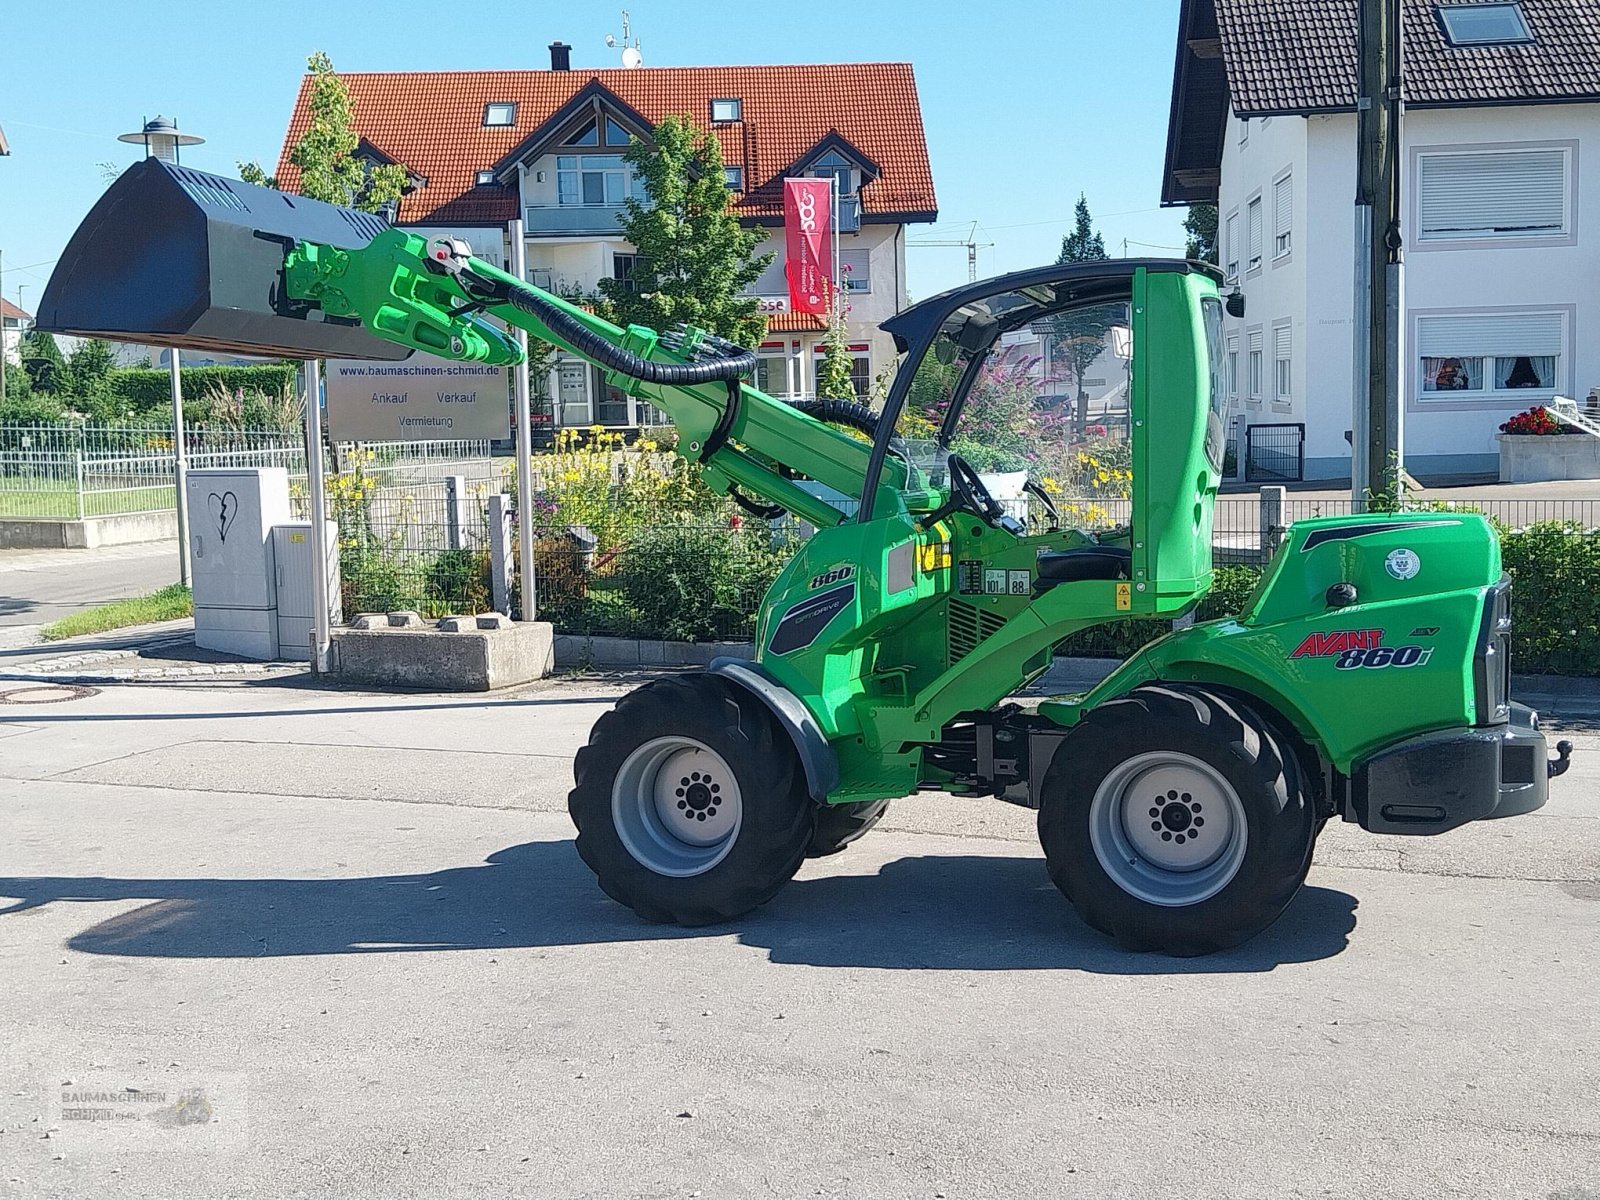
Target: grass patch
<point>170,603</point>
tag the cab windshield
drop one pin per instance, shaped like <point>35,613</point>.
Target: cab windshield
<point>1026,392</point>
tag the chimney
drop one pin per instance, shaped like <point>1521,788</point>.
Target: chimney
<point>560,56</point>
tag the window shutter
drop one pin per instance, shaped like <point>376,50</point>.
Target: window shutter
<point>1507,193</point>
<point>1230,245</point>
<point>1282,204</point>
<point>1490,333</point>
<point>1255,341</point>
<point>1282,341</point>
<point>1255,231</point>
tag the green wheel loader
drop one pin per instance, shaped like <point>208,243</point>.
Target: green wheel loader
<point>1178,801</point>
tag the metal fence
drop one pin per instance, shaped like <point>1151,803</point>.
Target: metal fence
<point>81,471</point>
<point>74,472</point>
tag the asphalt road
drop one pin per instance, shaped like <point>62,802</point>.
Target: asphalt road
<point>343,947</point>
<point>40,586</point>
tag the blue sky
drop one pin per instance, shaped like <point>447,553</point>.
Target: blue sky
<point>1025,103</point>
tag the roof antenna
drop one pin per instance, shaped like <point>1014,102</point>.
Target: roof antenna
<point>630,44</point>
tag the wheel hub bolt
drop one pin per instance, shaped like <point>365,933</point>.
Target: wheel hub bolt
<point>698,796</point>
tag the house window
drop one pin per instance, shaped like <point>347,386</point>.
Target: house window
<point>1233,370</point>
<point>1282,210</point>
<point>734,178</point>
<point>1483,24</point>
<point>1253,225</point>
<point>772,370</point>
<point>616,135</point>
<point>595,180</point>
<point>623,268</point>
<point>499,114</point>
<point>1494,193</point>
<point>860,368</point>
<point>1487,356</point>
<point>587,134</point>
<point>1230,245</point>
<point>836,166</point>
<point>1254,364</point>
<point>856,267</point>
<point>484,177</point>
<point>727,109</point>
<point>1282,364</point>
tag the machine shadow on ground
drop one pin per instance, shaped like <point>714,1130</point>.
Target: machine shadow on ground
<point>938,912</point>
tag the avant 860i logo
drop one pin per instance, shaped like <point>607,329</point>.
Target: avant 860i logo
<point>1352,648</point>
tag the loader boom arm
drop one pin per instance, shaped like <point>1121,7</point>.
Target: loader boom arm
<point>432,295</point>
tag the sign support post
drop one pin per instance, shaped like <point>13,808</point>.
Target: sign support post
<point>321,634</point>
<point>524,431</point>
<point>180,467</point>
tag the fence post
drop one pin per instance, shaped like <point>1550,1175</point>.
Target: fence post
<point>1272,527</point>
<point>77,464</point>
<point>455,504</point>
<point>500,560</point>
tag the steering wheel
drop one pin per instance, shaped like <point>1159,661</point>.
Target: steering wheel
<point>967,494</point>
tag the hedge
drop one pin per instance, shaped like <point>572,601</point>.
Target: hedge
<point>144,390</point>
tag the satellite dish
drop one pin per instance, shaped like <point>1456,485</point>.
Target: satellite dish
<point>632,58</point>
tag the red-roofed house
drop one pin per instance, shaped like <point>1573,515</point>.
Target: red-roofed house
<point>13,324</point>
<point>483,147</point>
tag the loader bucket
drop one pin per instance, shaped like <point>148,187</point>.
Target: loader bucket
<point>171,256</point>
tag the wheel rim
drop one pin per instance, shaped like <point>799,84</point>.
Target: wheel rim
<point>1168,828</point>
<point>676,806</point>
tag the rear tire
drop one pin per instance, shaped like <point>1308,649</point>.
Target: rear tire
<point>840,824</point>
<point>1175,820</point>
<point>690,802</point>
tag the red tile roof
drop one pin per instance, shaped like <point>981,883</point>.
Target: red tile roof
<point>795,322</point>
<point>433,123</point>
<point>8,309</point>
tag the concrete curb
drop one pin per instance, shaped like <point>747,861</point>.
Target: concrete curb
<point>579,650</point>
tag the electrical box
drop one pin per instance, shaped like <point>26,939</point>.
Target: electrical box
<point>231,515</point>
<point>292,559</point>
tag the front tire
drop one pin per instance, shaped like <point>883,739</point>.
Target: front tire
<point>1175,820</point>
<point>690,802</point>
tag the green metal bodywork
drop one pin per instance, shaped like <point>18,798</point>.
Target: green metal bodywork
<point>913,649</point>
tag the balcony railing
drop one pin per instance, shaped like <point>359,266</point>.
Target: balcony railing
<point>572,219</point>
<point>578,219</point>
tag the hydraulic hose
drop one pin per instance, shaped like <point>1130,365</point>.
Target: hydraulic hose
<point>593,346</point>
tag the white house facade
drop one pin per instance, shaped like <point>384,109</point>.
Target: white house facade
<point>1500,216</point>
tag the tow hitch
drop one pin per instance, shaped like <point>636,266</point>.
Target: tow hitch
<point>1563,759</point>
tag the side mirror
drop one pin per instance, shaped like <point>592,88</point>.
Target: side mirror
<point>1235,303</point>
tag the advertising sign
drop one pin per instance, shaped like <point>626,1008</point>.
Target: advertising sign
<point>423,399</point>
<point>808,236</point>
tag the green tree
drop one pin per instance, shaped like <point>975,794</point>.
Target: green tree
<point>325,152</point>
<point>1079,337</point>
<point>695,259</point>
<point>43,362</point>
<point>833,373</point>
<point>1201,227</point>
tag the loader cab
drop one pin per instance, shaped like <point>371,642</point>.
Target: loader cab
<point>985,401</point>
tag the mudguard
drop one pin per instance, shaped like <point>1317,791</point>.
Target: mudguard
<point>816,755</point>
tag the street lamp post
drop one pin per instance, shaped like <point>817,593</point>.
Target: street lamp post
<point>161,139</point>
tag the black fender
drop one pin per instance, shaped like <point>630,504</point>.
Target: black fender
<point>816,755</point>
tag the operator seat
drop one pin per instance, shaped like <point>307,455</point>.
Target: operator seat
<point>1083,562</point>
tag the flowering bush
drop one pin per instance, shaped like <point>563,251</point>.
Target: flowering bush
<point>593,479</point>
<point>1538,421</point>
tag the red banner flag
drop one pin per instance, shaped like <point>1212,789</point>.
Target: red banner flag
<point>808,236</point>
